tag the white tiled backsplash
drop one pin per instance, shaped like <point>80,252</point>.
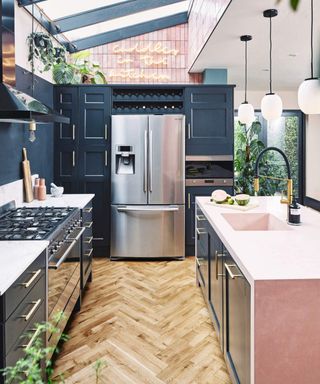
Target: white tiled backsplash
<point>13,191</point>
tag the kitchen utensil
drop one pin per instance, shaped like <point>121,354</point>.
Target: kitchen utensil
<point>56,191</point>
<point>27,177</point>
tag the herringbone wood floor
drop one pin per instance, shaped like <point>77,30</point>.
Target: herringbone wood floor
<point>148,322</point>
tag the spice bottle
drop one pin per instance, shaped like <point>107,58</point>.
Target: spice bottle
<point>294,213</point>
<point>36,188</point>
<point>42,190</point>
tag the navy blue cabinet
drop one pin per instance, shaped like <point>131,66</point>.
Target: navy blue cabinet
<point>209,119</point>
<point>82,151</point>
<point>191,193</point>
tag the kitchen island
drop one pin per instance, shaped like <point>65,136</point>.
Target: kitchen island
<point>261,280</point>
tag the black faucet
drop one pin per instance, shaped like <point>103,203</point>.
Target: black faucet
<point>288,200</point>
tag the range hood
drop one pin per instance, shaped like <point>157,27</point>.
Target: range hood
<point>16,106</point>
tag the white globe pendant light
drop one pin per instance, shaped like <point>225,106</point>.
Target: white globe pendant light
<point>246,110</point>
<point>271,104</point>
<point>309,90</point>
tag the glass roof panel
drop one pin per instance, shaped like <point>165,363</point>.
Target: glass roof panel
<point>127,21</point>
<point>55,9</point>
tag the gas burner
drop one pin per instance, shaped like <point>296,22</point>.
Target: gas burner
<point>32,223</point>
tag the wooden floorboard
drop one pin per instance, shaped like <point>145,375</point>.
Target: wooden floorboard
<point>148,322</point>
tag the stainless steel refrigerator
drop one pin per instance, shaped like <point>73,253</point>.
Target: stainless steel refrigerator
<point>147,186</point>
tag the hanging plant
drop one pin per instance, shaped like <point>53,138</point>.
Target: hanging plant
<point>41,48</point>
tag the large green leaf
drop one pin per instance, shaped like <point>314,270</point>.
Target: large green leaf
<point>63,73</point>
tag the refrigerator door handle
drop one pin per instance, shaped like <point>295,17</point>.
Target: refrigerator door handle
<point>150,159</point>
<point>134,208</point>
<point>145,175</point>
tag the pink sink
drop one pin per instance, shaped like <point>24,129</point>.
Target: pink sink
<point>255,222</point>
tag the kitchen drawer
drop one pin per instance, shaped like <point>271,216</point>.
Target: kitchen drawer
<point>87,214</point>
<point>24,315</point>
<point>22,286</point>
<point>17,351</point>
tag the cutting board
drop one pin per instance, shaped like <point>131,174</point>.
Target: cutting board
<point>27,181</point>
<point>235,206</point>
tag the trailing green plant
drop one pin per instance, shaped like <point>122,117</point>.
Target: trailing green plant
<point>247,148</point>
<point>42,48</point>
<point>30,368</point>
<point>78,70</point>
<point>293,3</point>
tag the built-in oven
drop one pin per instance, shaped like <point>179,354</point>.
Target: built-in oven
<point>64,276</point>
<point>209,171</point>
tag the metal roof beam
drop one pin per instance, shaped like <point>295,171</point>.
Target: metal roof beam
<point>23,3</point>
<point>130,31</point>
<point>109,12</point>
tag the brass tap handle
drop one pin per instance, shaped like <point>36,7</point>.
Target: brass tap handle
<point>256,184</point>
<point>288,199</point>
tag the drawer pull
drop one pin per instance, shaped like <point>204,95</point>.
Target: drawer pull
<point>200,217</point>
<point>32,310</point>
<point>228,268</point>
<point>189,201</point>
<point>35,274</point>
<point>217,256</point>
<point>199,231</point>
<point>32,339</point>
<point>88,210</point>
<point>88,240</point>
<point>88,254</point>
<point>88,224</point>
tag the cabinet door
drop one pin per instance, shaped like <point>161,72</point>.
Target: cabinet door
<point>94,159</point>
<point>216,281</point>
<point>191,193</point>
<point>210,121</point>
<point>66,139</point>
<point>236,321</point>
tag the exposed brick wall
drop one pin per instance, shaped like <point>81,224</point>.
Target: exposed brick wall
<point>203,18</point>
<point>166,63</point>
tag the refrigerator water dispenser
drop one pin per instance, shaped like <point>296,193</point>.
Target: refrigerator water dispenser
<point>125,160</point>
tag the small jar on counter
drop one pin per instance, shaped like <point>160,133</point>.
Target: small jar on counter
<point>42,190</point>
<point>36,188</point>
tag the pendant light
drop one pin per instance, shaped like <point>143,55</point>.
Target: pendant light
<point>271,104</point>
<point>309,90</point>
<point>246,110</point>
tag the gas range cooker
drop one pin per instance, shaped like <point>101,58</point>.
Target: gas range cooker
<point>31,223</point>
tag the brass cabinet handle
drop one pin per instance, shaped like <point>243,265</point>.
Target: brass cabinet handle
<point>35,274</point>
<point>199,231</point>
<point>88,210</point>
<point>189,201</point>
<point>88,224</point>
<point>32,339</point>
<point>88,254</point>
<point>32,310</point>
<point>228,268</point>
<point>89,240</point>
<point>73,131</point>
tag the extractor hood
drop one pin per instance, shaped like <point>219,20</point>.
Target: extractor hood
<point>16,106</point>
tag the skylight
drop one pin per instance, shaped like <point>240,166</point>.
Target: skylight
<point>126,21</point>
<point>55,9</point>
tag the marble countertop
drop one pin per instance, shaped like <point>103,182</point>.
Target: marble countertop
<point>270,255</point>
<point>15,258</point>
<point>71,200</point>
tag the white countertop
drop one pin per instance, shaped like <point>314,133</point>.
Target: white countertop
<point>71,200</point>
<point>15,258</point>
<point>270,255</point>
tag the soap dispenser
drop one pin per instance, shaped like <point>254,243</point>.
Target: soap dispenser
<point>294,213</point>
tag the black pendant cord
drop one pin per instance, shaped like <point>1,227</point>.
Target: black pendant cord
<point>32,62</point>
<point>270,57</point>
<point>312,39</point>
<point>246,73</point>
